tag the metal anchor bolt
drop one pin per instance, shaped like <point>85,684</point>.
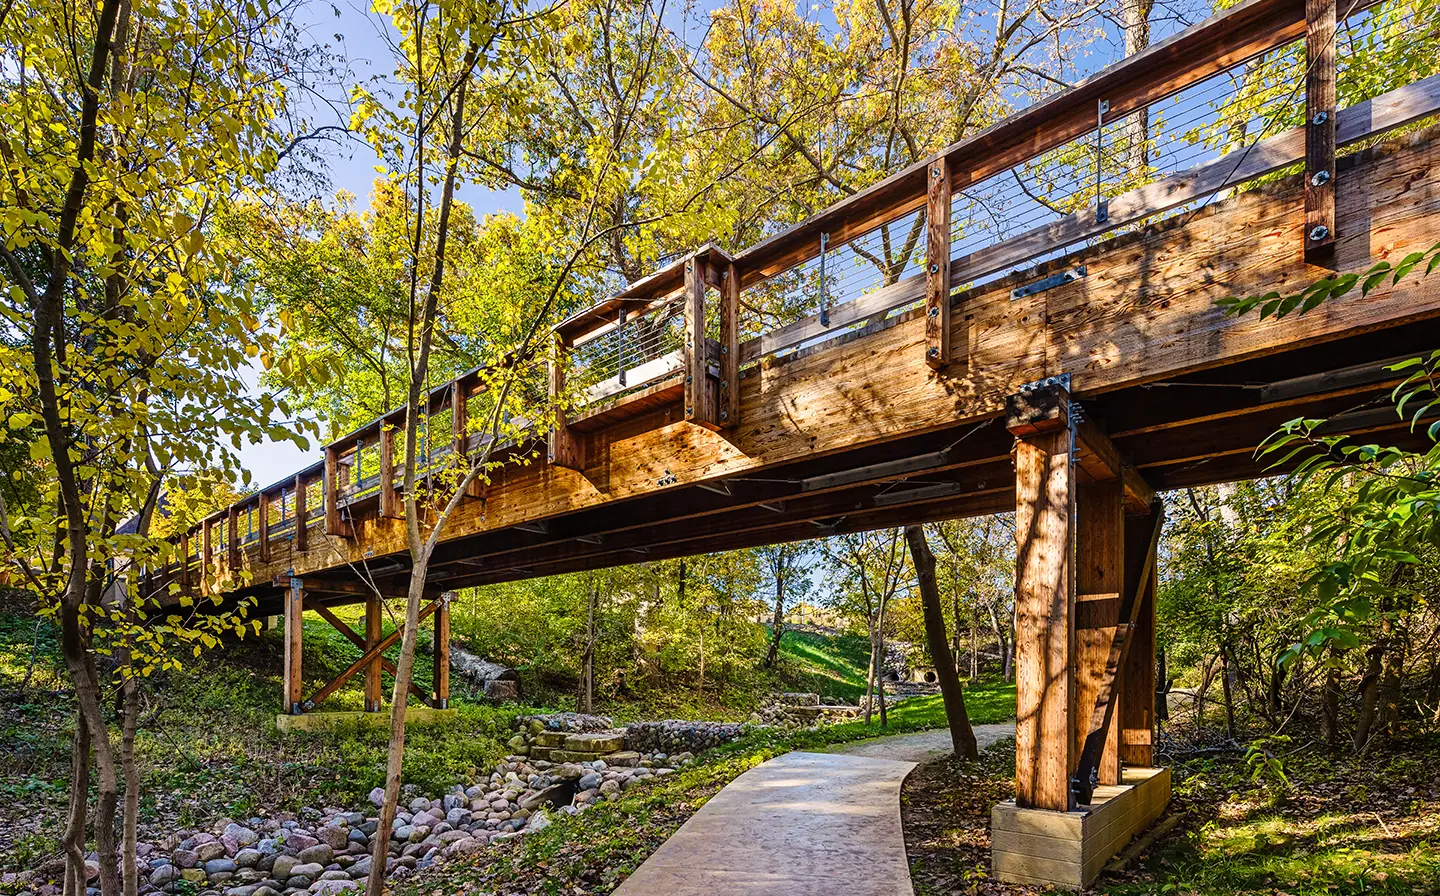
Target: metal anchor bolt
<point>1319,232</point>
<point>1320,178</point>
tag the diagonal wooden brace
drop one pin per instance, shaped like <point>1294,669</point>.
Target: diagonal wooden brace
<point>1083,781</point>
<point>355,638</point>
<point>365,659</point>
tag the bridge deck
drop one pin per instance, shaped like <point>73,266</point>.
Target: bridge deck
<point>845,421</point>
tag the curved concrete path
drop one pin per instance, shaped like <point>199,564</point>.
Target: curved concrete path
<point>802,824</point>
<point>922,746</point>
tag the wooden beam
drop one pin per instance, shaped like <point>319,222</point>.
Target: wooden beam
<point>302,541</point>
<point>459,427</point>
<point>699,401</point>
<point>441,645</point>
<point>1044,615</point>
<point>937,267</point>
<point>328,585</point>
<point>232,540</point>
<point>373,685</point>
<point>366,644</point>
<point>294,632</point>
<point>365,659</point>
<point>566,447</point>
<point>264,526</point>
<point>1100,459</point>
<point>185,559</point>
<point>1099,583</point>
<point>389,500</point>
<point>1319,236</point>
<point>1102,711</point>
<point>334,525</point>
<point>1137,673</point>
<point>730,347</point>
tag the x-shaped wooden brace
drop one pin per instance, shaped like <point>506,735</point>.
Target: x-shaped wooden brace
<point>366,657</point>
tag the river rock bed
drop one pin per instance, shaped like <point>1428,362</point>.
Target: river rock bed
<point>327,851</point>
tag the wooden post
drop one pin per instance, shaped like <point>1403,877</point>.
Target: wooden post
<point>294,629</point>
<point>730,347</point>
<point>937,268</point>
<point>185,559</point>
<point>264,526</point>
<point>459,427</point>
<point>301,542</point>
<point>373,687</point>
<point>699,401</point>
<point>334,525</point>
<point>207,553</point>
<point>1099,584</point>
<point>1137,675</point>
<point>564,447</point>
<point>1044,601</point>
<point>389,499</point>
<point>441,643</point>
<point>1320,132</point>
<point>232,539</point>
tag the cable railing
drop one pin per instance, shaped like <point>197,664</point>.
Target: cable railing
<point>1210,112</point>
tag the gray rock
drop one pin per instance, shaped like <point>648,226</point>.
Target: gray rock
<point>185,858</point>
<point>164,874</point>
<point>243,890</point>
<point>320,854</point>
<point>361,869</point>
<point>334,875</point>
<point>298,882</point>
<point>299,840</point>
<point>334,836</point>
<point>334,887</point>
<point>220,866</point>
<point>402,832</point>
<point>283,867</point>
<point>207,851</point>
<point>248,858</point>
<point>377,797</point>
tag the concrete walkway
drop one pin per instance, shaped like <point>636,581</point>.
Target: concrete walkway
<point>802,824</point>
<point>922,746</point>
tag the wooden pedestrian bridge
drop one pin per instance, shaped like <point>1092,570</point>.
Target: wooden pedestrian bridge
<point>1066,262</point>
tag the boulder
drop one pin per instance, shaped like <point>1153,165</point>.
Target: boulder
<point>283,867</point>
<point>334,887</point>
<point>319,854</point>
<point>204,852</point>
<point>220,866</point>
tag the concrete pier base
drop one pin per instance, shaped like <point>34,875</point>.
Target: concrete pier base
<point>1068,849</point>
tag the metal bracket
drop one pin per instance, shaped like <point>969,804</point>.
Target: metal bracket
<point>824,296</point>
<point>1102,210</point>
<point>1050,282</point>
<point>1060,379</point>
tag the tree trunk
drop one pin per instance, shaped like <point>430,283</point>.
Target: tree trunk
<point>1330,703</point>
<point>74,838</point>
<point>130,827</point>
<point>962,735</point>
<point>587,657</point>
<point>1227,673</point>
<point>880,661</point>
<point>1162,687</point>
<point>777,624</point>
<point>87,694</point>
<point>870,673</point>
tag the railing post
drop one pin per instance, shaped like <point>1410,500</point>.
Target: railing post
<point>699,398</point>
<point>937,268</point>
<point>441,644</point>
<point>185,559</point>
<point>1319,236</point>
<point>232,540</point>
<point>206,554</point>
<point>564,447</point>
<point>264,527</point>
<point>301,542</point>
<point>334,525</point>
<point>459,427</point>
<point>389,499</point>
<point>729,346</point>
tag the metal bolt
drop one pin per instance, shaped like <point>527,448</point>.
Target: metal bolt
<point>689,412</point>
<point>935,172</point>
<point>724,415</point>
<point>934,268</point>
<point>689,379</point>
<point>1320,118</point>
<point>934,352</point>
<point>724,384</point>
<point>1319,232</point>
<point>1320,178</point>
<point>724,349</point>
<point>935,311</point>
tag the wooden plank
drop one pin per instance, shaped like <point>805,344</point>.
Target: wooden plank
<point>699,401</point>
<point>937,266</point>
<point>294,633</point>
<point>1320,131</point>
<point>729,346</point>
<point>232,540</point>
<point>441,644</point>
<point>301,542</point>
<point>565,447</point>
<point>264,526</point>
<point>639,376</point>
<point>1044,619</point>
<point>1137,674</point>
<point>1099,582</point>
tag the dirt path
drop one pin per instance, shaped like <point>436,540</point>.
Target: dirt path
<point>921,746</point>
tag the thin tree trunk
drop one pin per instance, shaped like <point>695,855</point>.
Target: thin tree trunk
<point>962,735</point>
<point>974,649</point>
<point>880,661</point>
<point>74,838</point>
<point>1330,702</point>
<point>1227,691</point>
<point>870,674</point>
<point>1162,687</point>
<point>587,657</point>
<point>777,624</point>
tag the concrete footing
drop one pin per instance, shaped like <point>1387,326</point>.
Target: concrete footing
<point>326,721</point>
<point>1068,849</point>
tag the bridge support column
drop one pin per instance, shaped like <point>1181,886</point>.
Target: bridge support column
<point>441,643</point>
<point>373,695</point>
<point>1084,649</point>
<point>294,628</point>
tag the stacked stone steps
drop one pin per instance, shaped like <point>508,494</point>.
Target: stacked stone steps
<point>565,746</point>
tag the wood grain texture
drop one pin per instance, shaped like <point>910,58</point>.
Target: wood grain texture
<point>1099,582</point>
<point>1045,642</point>
<point>730,347</point>
<point>565,448</point>
<point>294,646</point>
<point>300,543</point>
<point>1136,716</point>
<point>1320,127</point>
<point>937,266</point>
<point>374,692</point>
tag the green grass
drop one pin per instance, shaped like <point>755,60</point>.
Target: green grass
<point>829,666</point>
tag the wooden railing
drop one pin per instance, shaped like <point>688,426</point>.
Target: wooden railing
<point>677,334</point>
